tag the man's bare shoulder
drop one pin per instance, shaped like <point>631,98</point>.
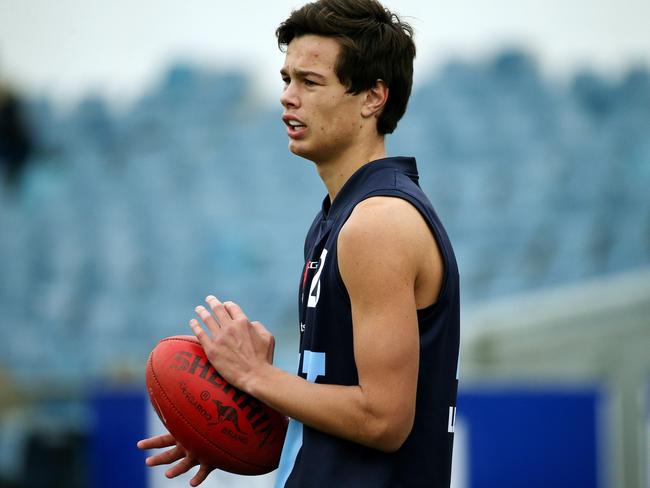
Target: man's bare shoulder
<point>390,218</point>
<point>387,237</point>
<point>384,229</point>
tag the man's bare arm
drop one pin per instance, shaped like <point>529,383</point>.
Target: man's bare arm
<point>378,261</point>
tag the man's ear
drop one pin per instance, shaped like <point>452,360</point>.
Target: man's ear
<point>375,100</point>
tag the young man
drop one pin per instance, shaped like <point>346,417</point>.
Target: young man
<point>373,403</point>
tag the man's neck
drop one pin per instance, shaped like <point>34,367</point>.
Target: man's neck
<point>335,173</point>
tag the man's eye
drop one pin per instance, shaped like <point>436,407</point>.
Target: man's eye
<point>310,83</point>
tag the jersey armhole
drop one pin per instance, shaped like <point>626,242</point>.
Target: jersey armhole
<point>435,231</point>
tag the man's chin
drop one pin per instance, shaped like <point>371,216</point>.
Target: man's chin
<point>298,150</point>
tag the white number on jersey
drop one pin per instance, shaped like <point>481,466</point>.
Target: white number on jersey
<point>314,289</point>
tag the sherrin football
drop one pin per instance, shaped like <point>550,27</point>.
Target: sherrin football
<point>219,424</point>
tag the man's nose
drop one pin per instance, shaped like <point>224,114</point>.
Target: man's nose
<point>289,96</point>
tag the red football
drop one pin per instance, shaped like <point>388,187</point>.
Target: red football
<point>219,424</point>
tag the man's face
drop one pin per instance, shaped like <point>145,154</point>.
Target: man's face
<point>322,120</point>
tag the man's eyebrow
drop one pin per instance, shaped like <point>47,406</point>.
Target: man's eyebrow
<point>303,73</point>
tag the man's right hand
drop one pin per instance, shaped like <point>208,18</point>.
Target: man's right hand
<point>186,461</point>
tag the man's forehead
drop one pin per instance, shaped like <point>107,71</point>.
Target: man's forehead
<point>313,53</point>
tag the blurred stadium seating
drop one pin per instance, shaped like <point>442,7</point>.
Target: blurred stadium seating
<point>127,219</point>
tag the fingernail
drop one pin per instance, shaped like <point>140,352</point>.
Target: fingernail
<point>210,297</point>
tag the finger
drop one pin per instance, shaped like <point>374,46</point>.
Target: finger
<point>271,352</point>
<point>200,334</point>
<point>183,466</point>
<point>235,311</point>
<point>165,440</point>
<point>219,309</point>
<point>166,457</point>
<point>259,327</point>
<point>263,332</point>
<point>207,319</point>
<point>201,475</point>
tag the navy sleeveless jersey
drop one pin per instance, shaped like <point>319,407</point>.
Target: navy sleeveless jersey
<point>311,458</point>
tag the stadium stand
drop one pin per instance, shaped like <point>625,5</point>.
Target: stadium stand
<point>126,219</point>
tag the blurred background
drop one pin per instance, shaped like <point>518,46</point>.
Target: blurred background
<point>143,165</point>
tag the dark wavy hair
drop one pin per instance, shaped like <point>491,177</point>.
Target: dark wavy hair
<point>375,45</point>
